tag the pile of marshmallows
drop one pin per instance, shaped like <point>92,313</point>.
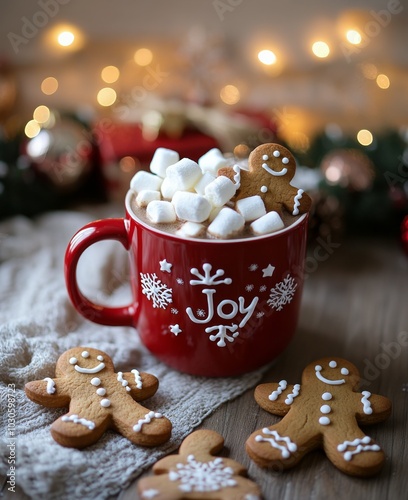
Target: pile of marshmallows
<point>188,191</point>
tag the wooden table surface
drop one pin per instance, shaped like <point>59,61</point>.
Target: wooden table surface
<point>355,306</point>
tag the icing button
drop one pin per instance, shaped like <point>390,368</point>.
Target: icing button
<point>324,420</point>
<point>105,403</point>
<point>326,396</point>
<point>325,409</point>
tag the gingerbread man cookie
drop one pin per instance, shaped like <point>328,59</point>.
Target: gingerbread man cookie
<point>99,399</point>
<point>195,473</point>
<point>323,412</point>
<point>271,168</point>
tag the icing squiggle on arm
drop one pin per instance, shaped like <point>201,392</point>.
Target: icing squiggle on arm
<point>297,202</point>
<point>237,176</point>
<point>366,403</point>
<point>50,385</point>
<point>293,394</point>
<point>275,394</point>
<point>138,378</point>
<point>146,420</point>
<point>124,382</point>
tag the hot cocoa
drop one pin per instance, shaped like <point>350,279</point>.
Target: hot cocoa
<point>219,197</point>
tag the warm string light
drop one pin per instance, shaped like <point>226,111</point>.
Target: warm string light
<point>110,74</point>
<point>143,56</point>
<point>365,137</point>
<point>66,38</point>
<point>106,96</point>
<point>354,37</point>
<point>321,49</point>
<point>230,94</point>
<point>267,57</point>
<point>49,85</point>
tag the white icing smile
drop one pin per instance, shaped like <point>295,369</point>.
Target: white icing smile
<point>272,172</point>
<point>318,369</point>
<point>80,369</point>
<point>96,369</point>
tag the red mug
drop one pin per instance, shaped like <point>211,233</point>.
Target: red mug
<point>205,307</point>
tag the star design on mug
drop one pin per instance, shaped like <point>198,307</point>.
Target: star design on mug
<point>268,271</point>
<point>165,266</point>
<point>175,329</point>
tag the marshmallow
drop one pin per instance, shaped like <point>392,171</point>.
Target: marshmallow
<point>227,223</point>
<point>145,196</point>
<point>191,229</point>
<point>219,191</point>
<point>183,175</point>
<point>267,223</point>
<point>251,208</point>
<point>214,212</point>
<point>145,180</point>
<point>168,188</point>
<point>161,212</point>
<point>203,182</point>
<point>212,161</point>
<point>191,206</point>
<point>162,159</point>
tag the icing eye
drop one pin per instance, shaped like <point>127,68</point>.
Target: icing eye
<point>318,368</point>
<point>85,354</point>
<point>73,361</point>
<point>276,154</point>
<point>344,371</point>
<point>265,157</point>
<point>99,358</point>
<point>332,364</point>
<point>285,160</point>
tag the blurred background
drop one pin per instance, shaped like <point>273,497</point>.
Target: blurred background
<point>89,90</point>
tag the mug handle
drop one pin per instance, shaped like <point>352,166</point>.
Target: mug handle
<point>107,229</point>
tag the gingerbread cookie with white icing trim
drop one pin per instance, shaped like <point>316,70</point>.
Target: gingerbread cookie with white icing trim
<point>324,411</point>
<point>99,399</point>
<point>196,474</point>
<point>271,168</point>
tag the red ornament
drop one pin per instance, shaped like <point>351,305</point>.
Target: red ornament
<point>404,234</point>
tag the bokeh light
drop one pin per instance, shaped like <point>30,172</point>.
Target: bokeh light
<point>143,56</point>
<point>106,96</point>
<point>383,81</point>
<point>110,74</point>
<point>230,94</point>
<point>320,49</point>
<point>49,85</point>
<point>267,57</point>
<point>365,137</point>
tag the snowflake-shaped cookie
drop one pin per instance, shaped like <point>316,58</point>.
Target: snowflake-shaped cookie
<point>196,473</point>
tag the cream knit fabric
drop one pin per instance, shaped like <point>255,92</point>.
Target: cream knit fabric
<point>38,323</point>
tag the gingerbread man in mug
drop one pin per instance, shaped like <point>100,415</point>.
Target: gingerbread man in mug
<point>271,168</point>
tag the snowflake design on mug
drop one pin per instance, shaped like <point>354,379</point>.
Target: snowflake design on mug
<point>156,291</point>
<point>282,293</point>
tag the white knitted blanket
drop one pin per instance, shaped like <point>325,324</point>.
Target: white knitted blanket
<point>38,323</point>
